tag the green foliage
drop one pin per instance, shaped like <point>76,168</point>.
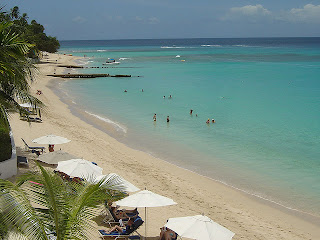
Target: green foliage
<point>3,227</point>
<point>5,146</point>
<point>5,141</point>
<point>66,209</point>
<point>32,33</point>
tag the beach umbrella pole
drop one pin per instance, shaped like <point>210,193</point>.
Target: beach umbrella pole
<point>145,214</point>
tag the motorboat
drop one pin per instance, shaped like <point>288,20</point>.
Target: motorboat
<point>111,62</point>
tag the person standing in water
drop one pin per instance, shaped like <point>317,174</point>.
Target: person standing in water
<point>168,120</point>
<point>191,111</point>
<point>155,117</point>
<point>208,121</point>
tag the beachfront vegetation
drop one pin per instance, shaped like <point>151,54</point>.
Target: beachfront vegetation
<point>16,69</point>
<point>41,204</point>
<point>32,32</point>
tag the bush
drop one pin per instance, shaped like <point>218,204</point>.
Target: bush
<point>5,144</point>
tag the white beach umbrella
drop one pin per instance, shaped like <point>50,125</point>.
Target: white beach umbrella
<point>51,139</point>
<point>79,168</point>
<point>119,182</point>
<point>55,157</point>
<point>145,199</point>
<point>199,227</point>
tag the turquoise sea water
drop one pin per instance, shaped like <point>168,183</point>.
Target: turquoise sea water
<point>263,93</point>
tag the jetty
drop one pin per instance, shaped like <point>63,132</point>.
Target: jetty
<point>85,75</point>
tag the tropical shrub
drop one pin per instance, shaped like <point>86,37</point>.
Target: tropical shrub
<point>65,209</point>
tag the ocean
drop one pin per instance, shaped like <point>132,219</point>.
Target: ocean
<point>263,93</point>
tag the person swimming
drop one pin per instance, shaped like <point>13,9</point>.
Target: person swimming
<point>208,121</point>
<point>213,121</point>
<point>155,117</point>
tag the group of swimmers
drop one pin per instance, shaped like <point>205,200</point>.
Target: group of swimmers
<point>207,122</point>
<point>155,118</point>
<point>191,111</point>
<point>168,97</point>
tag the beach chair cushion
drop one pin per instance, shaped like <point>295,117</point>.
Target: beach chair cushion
<point>134,237</point>
<point>22,160</point>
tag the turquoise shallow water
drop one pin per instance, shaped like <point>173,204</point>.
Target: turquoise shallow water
<point>263,93</point>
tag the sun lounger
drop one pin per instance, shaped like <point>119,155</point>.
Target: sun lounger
<point>116,235</point>
<point>112,219</point>
<point>24,117</point>
<point>32,149</point>
<point>32,119</point>
<point>22,160</point>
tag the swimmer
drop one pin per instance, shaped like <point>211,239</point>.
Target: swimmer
<point>168,120</point>
<point>142,90</point>
<point>191,111</point>
<point>208,121</point>
<point>125,91</point>
<point>213,121</point>
<point>164,96</point>
<point>155,117</point>
<point>170,96</point>
<point>196,115</point>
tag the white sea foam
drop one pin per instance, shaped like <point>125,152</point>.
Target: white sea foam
<point>240,45</point>
<point>208,45</point>
<point>101,50</point>
<point>117,126</point>
<point>123,58</point>
<point>171,47</point>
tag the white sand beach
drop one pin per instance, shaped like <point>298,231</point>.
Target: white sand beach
<point>245,215</point>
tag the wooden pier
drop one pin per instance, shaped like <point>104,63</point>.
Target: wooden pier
<point>84,75</point>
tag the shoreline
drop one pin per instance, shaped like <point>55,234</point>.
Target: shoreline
<point>104,124</point>
<point>107,128</point>
<point>235,209</point>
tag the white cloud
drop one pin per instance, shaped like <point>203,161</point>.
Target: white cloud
<point>79,19</point>
<point>139,19</point>
<point>257,13</point>
<point>153,20</point>
<point>249,12</point>
<point>308,14</point>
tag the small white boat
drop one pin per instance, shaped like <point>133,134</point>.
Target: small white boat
<point>111,62</point>
<point>178,56</point>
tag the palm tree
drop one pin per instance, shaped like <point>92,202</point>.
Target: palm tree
<point>16,70</point>
<point>64,209</point>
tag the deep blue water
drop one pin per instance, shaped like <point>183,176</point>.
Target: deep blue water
<point>264,94</point>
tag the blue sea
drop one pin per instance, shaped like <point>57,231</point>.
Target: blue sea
<point>264,94</point>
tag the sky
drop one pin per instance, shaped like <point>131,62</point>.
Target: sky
<point>152,19</point>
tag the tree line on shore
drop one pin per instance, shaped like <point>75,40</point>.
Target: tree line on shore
<point>32,32</point>
<point>20,41</point>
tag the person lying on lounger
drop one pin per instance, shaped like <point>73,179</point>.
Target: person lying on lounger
<point>167,234</point>
<point>123,213</point>
<point>123,231</point>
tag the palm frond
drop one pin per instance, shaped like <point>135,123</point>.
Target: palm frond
<point>19,214</point>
